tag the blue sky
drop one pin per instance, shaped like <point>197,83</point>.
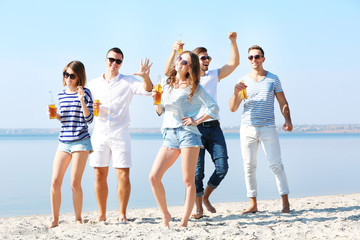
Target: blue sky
<point>311,45</point>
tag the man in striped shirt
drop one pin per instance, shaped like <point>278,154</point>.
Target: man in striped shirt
<point>258,125</point>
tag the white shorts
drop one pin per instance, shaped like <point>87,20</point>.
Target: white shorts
<point>107,148</point>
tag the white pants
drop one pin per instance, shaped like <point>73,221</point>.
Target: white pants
<point>250,137</point>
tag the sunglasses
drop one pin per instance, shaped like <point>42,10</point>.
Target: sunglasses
<point>67,75</point>
<point>118,61</point>
<point>203,58</point>
<point>250,57</point>
<point>183,62</point>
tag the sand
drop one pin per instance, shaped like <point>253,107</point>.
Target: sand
<point>325,217</point>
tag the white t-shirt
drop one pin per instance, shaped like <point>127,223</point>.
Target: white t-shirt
<point>209,82</point>
<point>115,97</point>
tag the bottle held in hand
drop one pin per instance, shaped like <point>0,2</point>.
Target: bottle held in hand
<point>52,107</point>
<point>157,96</point>
<point>243,93</point>
<point>96,108</point>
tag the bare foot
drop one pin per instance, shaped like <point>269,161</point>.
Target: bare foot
<point>101,219</point>
<point>78,221</point>
<point>208,206</point>
<point>166,219</point>
<point>286,209</point>
<point>199,213</point>
<point>285,203</point>
<point>251,209</point>
<point>122,218</point>
<point>54,224</point>
<point>182,224</point>
<point>197,216</point>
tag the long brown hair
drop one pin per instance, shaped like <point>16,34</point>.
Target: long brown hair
<point>79,70</point>
<point>193,76</point>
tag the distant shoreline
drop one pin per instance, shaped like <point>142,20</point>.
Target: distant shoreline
<point>309,129</point>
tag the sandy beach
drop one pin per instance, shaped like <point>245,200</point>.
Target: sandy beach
<point>325,217</point>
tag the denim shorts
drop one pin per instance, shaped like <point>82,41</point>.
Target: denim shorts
<point>76,146</point>
<point>180,138</point>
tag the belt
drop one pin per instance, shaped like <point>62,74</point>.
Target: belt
<point>214,123</point>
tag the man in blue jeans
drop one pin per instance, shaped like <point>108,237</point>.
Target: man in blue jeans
<point>212,135</point>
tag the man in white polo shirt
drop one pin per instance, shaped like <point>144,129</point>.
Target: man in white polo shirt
<point>258,125</point>
<point>111,138</point>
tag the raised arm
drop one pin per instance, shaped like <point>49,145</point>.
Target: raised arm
<point>234,58</point>
<point>170,62</point>
<point>285,110</point>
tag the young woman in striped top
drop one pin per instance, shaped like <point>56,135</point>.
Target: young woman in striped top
<point>74,140</point>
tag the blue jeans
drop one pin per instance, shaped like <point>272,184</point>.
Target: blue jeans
<point>213,141</point>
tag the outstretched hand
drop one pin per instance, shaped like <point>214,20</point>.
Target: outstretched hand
<point>144,68</point>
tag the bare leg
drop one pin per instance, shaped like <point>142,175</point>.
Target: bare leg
<point>285,203</point>
<point>253,206</point>
<point>77,169</point>
<point>101,190</point>
<point>207,193</point>
<point>163,161</point>
<point>123,191</point>
<point>199,209</point>
<point>61,162</point>
<point>189,158</point>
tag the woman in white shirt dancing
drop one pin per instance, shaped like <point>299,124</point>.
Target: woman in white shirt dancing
<point>181,101</point>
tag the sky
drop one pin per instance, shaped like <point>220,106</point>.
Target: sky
<point>313,46</point>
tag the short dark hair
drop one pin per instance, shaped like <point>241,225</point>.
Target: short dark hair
<point>199,50</point>
<point>117,50</point>
<point>257,48</point>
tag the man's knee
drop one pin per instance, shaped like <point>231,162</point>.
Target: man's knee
<point>277,167</point>
<point>222,171</point>
<point>199,175</point>
<point>123,175</point>
<point>249,167</point>
<point>221,166</point>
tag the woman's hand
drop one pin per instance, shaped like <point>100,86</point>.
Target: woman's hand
<point>178,46</point>
<point>153,92</point>
<point>80,92</point>
<point>189,121</point>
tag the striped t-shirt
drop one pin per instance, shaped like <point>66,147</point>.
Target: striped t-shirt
<point>74,126</point>
<point>259,105</point>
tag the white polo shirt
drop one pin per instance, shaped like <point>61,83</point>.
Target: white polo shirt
<point>115,97</point>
